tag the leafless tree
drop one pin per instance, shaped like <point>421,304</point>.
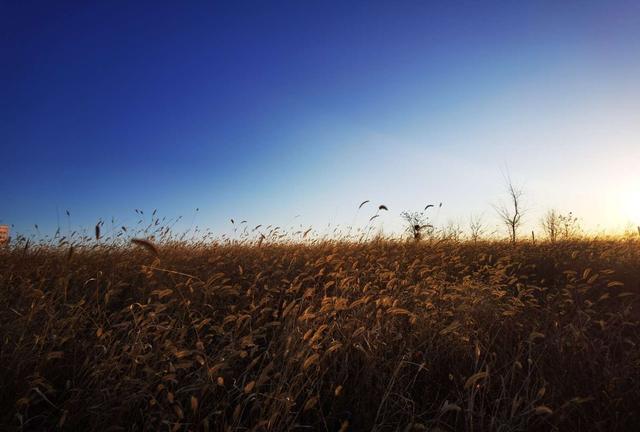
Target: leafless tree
<point>476,227</point>
<point>557,225</point>
<point>511,214</point>
<point>551,224</point>
<point>417,224</point>
<point>452,231</point>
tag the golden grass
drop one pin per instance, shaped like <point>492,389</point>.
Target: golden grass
<point>383,335</point>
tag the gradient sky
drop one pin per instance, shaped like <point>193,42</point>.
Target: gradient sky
<point>264,111</point>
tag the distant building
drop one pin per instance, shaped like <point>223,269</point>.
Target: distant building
<point>4,234</point>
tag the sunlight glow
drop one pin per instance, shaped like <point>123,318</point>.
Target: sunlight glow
<point>628,205</point>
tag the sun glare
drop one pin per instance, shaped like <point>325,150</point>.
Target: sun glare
<point>629,205</point>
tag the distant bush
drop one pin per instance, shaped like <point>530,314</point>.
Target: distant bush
<point>559,226</point>
<point>417,225</point>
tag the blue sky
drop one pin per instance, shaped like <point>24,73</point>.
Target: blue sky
<point>267,110</point>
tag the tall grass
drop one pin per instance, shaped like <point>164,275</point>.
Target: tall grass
<point>325,335</point>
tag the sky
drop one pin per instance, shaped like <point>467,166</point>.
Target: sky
<point>292,113</point>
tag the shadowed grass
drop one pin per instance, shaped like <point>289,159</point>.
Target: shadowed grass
<point>382,335</point>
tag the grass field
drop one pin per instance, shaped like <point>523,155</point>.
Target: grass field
<point>381,335</point>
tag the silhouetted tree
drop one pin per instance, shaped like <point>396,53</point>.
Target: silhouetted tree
<point>417,224</point>
<point>557,225</point>
<point>511,214</point>
<point>551,224</point>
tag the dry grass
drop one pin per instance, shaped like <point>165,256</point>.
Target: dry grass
<point>382,335</point>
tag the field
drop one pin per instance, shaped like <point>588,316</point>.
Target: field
<point>381,335</point>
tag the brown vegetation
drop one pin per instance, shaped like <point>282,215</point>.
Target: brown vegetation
<point>383,335</point>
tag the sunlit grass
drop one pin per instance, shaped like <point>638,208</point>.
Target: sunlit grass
<point>270,333</point>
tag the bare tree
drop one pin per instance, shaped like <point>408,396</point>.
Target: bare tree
<point>417,224</point>
<point>452,231</point>
<point>556,225</point>
<point>551,224</point>
<point>511,214</point>
<point>476,227</point>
